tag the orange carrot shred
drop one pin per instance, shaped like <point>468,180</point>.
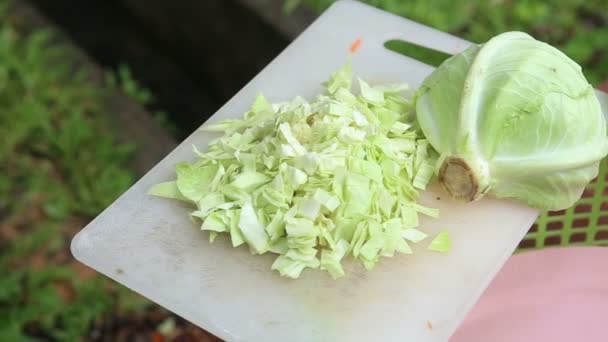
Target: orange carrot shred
<point>158,338</point>
<point>354,47</point>
<point>429,325</point>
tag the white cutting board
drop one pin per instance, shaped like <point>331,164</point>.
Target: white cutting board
<point>149,245</point>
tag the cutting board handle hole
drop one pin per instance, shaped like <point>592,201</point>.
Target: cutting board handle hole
<point>417,52</point>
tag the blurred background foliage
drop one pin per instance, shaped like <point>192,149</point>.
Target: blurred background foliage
<point>577,27</point>
<point>60,165</point>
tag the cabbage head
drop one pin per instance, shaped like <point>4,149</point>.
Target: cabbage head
<point>514,118</point>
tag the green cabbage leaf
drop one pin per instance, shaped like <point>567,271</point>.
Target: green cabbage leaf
<point>514,118</point>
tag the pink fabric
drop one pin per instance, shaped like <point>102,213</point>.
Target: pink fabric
<point>555,294</point>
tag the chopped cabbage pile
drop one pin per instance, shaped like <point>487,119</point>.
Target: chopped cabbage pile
<point>315,182</point>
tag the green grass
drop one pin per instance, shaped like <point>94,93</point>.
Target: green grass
<point>577,27</point>
<point>60,165</point>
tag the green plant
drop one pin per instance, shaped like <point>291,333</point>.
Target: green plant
<point>577,27</point>
<point>60,164</point>
<point>123,80</point>
<point>31,300</point>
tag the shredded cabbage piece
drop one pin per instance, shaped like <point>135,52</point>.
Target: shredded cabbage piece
<point>441,243</point>
<point>314,182</point>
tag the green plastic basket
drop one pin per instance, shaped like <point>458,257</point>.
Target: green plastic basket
<point>583,224</point>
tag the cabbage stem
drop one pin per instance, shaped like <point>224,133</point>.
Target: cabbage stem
<point>458,179</point>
